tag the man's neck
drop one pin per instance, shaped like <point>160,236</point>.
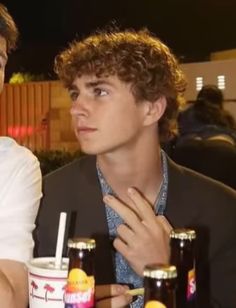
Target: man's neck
<point>142,171</point>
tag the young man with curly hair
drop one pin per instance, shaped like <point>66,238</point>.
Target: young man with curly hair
<point>126,192</point>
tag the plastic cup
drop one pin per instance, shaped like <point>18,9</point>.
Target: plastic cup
<point>47,283</point>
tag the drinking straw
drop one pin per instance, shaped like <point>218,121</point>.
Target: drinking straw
<point>135,292</point>
<point>60,239</point>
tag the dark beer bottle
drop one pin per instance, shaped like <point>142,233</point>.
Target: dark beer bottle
<point>159,286</point>
<point>182,243</point>
<point>80,288</point>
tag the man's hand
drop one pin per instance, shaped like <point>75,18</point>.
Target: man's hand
<point>144,238</point>
<point>112,296</point>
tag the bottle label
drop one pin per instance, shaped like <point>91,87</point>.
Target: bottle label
<point>79,292</point>
<point>154,304</point>
<point>191,289</point>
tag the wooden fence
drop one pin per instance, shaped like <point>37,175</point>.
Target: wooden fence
<point>24,112</point>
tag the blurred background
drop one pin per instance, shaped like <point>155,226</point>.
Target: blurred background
<point>34,107</point>
<point>193,29</point>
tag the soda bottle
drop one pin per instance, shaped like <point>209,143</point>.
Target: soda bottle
<point>160,286</point>
<point>80,288</point>
<point>182,243</point>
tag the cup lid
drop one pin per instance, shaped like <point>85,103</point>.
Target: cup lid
<point>45,266</point>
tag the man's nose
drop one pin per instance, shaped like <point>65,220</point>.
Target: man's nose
<point>79,107</point>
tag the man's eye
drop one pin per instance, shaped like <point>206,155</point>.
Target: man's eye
<point>73,95</point>
<point>100,92</point>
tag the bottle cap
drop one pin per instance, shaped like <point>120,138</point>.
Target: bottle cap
<point>183,234</point>
<point>160,271</point>
<point>81,243</point>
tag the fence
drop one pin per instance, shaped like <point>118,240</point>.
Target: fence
<point>24,112</point>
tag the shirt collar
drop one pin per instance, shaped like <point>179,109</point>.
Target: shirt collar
<point>160,203</point>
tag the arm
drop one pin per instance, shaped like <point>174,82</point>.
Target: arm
<point>19,207</point>
<point>13,284</point>
<point>144,238</point>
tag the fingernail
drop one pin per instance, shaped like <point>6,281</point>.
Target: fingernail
<point>122,288</point>
<point>125,287</point>
<point>130,190</point>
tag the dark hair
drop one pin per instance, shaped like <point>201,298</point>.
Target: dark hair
<point>8,28</point>
<point>209,114</point>
<point>211,94</point>
<point>209,108</point>
<point>138,58</point>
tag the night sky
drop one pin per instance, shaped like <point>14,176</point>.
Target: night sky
<point>191,28</point>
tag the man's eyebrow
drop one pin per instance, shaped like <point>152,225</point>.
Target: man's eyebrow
<point>90,84</point>
<point>72,87</point>
<point>3,55</point>
<point>96,83</point>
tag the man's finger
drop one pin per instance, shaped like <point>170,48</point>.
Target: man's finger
<point>119,301</point>
<point>165,223</point>
<point>143,207</point>
<point>125,234</point>
<point>122,247</point>
<point>128,215</point>
<point>109,290</point>
<point>112,296</point>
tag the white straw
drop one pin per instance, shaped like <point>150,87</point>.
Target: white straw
<point>60,240</point>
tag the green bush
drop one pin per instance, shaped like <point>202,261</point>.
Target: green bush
<point>54,159</point>
<point>20,77</point>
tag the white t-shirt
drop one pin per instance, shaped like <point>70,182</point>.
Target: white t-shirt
<point>20,193</point>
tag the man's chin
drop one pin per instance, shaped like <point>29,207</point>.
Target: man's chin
<point>88,151</point>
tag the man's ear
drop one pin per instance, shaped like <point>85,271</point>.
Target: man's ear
<point>154,110</point>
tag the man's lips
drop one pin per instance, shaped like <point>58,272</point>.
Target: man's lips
<point>85,129</point>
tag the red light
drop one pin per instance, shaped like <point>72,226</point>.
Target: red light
<point>20,131</point>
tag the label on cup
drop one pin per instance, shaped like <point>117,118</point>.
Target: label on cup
<point>47,283</point>
<point>80,288</point>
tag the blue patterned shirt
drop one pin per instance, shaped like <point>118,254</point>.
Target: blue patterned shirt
<point>124,273</point>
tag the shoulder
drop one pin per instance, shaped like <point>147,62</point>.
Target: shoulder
<point>81,164</point>
<point>192,178</point>
<point>14,154</point>
<point>199,201</point>
<point>72,173</point>
<point>200,191</point>
<point>187,112</point>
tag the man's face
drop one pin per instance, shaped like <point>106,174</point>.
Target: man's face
<point>3,60</point>
<point>105,115</point>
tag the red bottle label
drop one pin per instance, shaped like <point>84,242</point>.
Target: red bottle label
<point>79,291</point>
<point>191,288</point>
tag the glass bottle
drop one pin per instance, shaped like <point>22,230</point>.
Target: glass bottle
<point>160,286</point>
<point>80,288</point>
<point>182,243</point>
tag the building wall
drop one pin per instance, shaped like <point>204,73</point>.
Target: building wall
<point>61,133</point>
<point>36,114</point>
<point>210,71</point>
<point>223,55</point>
<point>23,109</point>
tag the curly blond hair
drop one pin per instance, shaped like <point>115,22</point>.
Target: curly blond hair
<point>138,58</point>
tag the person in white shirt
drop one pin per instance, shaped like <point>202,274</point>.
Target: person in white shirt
<point>20,194</point>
